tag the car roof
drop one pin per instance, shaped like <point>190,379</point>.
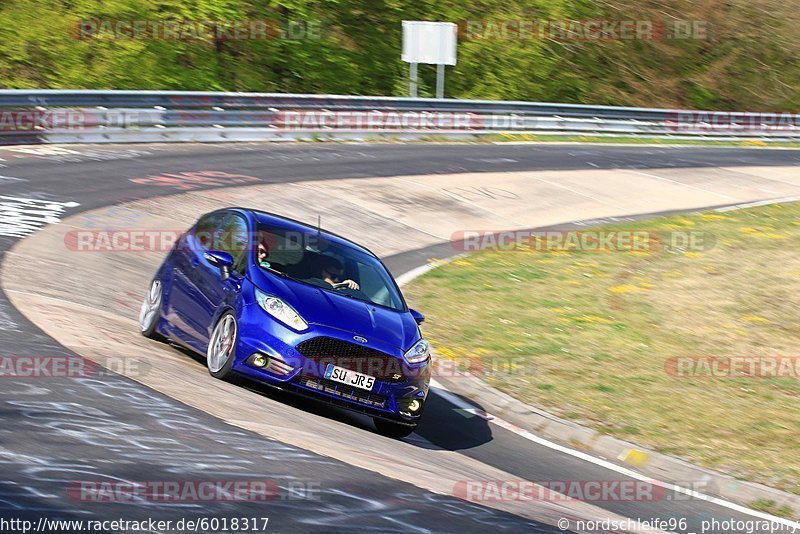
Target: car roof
<point>286,223</point>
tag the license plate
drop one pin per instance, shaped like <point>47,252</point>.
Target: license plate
<point>351,378</point>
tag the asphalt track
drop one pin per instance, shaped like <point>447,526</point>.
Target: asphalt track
<point>60,430</point>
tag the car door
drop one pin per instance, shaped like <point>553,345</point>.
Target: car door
<point>199,290</point>
<point>184,299</point>
<point>212,292</point>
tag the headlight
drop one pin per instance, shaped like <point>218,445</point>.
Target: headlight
<point>280,310</point>
<point>420,352</point>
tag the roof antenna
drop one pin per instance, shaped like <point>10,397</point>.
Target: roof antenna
<point>319,225</point>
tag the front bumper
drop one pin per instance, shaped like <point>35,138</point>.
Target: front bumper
<point>397,383</point>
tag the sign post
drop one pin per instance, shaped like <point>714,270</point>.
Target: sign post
<point>412,72</point>
<point>433,43</point>
<point>439,81</point>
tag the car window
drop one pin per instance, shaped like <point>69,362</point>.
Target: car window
<point>225,232</point>
<point>206,228</point>
<point>373,284</point>
<point>282,248</point>
<point>306,256</point>
<point>235,239</point>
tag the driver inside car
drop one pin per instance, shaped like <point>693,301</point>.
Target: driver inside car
<point>333,272</point>
<point>262,255</point>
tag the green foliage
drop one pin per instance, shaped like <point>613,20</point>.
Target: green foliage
<point>747,60</point>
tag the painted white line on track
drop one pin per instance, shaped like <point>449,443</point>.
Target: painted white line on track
<point>464,406</point>
<point>419,271</point>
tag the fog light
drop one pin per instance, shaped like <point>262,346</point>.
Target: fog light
<point>414,406</point>
<point>259,360</point>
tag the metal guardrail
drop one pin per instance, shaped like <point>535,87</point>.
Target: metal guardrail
<point>63,116</point>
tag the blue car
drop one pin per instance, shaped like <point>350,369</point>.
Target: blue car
<point>293,306</point>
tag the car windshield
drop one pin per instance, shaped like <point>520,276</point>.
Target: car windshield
<point>310,258</point>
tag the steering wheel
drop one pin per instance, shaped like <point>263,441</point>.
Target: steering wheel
<point>341,285</point>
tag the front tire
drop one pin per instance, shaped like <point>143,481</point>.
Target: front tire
<point>222,347</point>
<point>393,430</point>
<point>151,311</point>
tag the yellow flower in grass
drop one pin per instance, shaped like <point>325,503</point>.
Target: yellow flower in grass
<point>766,232</point>
<point>754,142</point>
<point>591,319</point>
<point>773,236</point>
<point>625,288</point>
<point>715,217</point>
<point>445,352</point>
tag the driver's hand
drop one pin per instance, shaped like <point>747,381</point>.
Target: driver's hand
<point>350,284</point>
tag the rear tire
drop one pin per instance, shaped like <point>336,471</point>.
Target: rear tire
<point>222,347</point>
<point>393,430</point>
<point>150,313</point>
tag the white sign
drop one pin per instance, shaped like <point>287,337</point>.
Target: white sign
<point>429,42</point>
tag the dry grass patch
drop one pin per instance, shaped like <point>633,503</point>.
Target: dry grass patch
<point>596,332</point>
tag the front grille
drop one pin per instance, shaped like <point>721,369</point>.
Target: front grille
<point>326,350</point>
<point>343,391</point>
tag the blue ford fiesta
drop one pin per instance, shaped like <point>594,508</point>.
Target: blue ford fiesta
<point>295,307</point>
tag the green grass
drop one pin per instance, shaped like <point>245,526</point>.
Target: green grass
<point>633,140</point>
<point>596,330</point>
<point>533,138</point>
<point>768,506</point>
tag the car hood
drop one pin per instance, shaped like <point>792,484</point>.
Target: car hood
<point>379,325</point>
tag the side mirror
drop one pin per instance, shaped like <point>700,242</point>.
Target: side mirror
<point>221,260</point>
<point>418,317</point>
